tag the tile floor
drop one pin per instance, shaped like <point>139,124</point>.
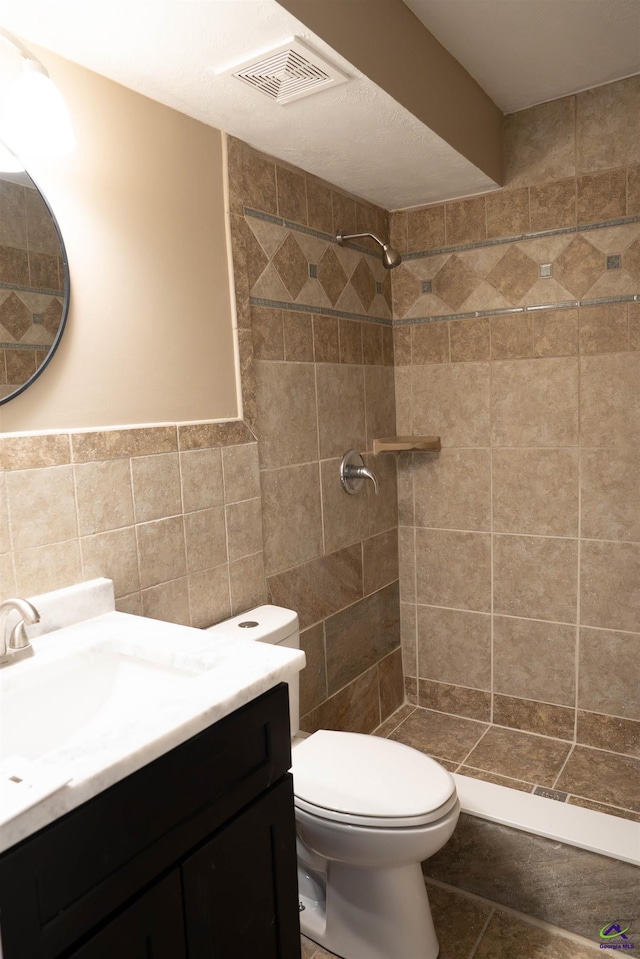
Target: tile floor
<point>555,768</point>
<point>472,928</point>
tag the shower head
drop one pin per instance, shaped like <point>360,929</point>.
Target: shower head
<point>390,257</point>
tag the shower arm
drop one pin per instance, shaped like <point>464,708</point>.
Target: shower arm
<point>342,237</point>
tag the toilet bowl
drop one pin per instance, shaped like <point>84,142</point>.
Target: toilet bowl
<point>368,812</point>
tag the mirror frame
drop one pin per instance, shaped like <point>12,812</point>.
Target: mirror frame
<point>65,304</point>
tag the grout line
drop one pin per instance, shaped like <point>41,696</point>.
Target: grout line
<point>476,945</point>
<point>481,737</point>
<point>562,768</point>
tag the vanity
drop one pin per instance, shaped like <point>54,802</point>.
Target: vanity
<point>179,841</point>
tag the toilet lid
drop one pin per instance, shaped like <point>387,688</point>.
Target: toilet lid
<point>359,777</point>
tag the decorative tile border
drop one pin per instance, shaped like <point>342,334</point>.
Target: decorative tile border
<point>300,228</point>
<point>541,308</point>
<point>320,311</point>
<point>17,288</point>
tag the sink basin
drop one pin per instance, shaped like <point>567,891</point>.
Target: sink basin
<point>52,703</point>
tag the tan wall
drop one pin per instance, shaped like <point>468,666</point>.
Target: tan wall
<point>141,209</point>
<point>520,543</point>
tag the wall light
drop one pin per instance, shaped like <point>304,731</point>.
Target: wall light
<point>34,119</point>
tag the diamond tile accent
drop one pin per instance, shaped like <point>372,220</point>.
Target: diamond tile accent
<point>578,268</point>
<point>332,277</point>
<point>255,257</point>
<point>631,259</point>
<point>546,270</point>
<point>405,286</point>
<point>52,316</point>
<point>455,282</point>
<point>313,270</point>
<point>614,262</point>
<point>426,286</point>
<point>514,275</point>
<point>292,265</point>
<point>387,290</point>
<point>15,317</point>
<point>364,283</point>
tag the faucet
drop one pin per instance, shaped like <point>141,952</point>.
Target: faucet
<point>18,646</point>
<point>352,469</point>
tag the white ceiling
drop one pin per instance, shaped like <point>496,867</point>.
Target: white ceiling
<point>356,135</point>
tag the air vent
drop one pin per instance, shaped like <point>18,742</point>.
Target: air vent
<point>287,72</point>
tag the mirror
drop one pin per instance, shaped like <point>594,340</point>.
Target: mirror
<point>34,284</point>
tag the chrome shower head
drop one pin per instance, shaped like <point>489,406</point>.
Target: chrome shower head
<point>390,257</point>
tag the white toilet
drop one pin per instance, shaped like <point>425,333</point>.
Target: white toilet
<point>368,811</point>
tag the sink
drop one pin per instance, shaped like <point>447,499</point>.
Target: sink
<point>59,702</point>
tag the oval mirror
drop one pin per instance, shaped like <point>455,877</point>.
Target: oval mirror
<point>34,283</point>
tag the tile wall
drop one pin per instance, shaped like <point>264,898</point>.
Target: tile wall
<point>317,318</point>
<point>517,329</point>
<point>31,284</point>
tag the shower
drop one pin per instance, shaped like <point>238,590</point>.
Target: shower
<point>390,257</point>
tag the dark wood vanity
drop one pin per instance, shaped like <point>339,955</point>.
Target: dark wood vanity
<point>191,857</point>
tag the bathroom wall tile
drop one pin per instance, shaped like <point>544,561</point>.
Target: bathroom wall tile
<point>341,409</point>
<point>291,516</point>
<point>259,181</point>
<point>407,555</point>
<point>34,452</point>
<point>535,577</point>
<point>156,486</point>
<point>344,211</point>
<point>201,436</point>
<point>454,282</point>
<point>206,539</point>
<point>398,230</point>
<point>380,404</point>
<point>405,472</point>
<point>313,678</point>
<point>201,478</point>
<point>453,490</point>
<point>350,336</point>
<point>607,126</point>
<point>408,633</point>
<point>535,402</point>
<point>553,205</point>
<point>466,221</point>
<point>610,400</point>
<point>452,401</point>
<point>382,510</point>
<point>354,709</point>
<point>45,568</point>
<point>373,218</point>
<point>286,395</point>
<point>511,336</point>
<point>104,496</point>
<point>488,777</point>
<point>599,650</point>
<point>244,528</point>
<point>602,776</point>
<point>602,196</point>
<point>113,554</point>
<point>633,190</point>
<point>292,195</point>
<point>458,700</point>
<point>209,596</point>
<point>535,491</point>
<point>534,660</point>
<point>30,494</point>
<point>131,604</point>
<point>234,161</point>
<point>405,287</point>
<point>5,537</point>
<point>604,329</point>
<point>510,938</point>
<point>555,333</point>
<point>390,683</point>
<point>326,341</point>
<point>454,647</point>
<point>168,602</point>
<point>609,732</point>
<point>161,551</point>
<point>267,333</point>
<point>112,444</point>
<point>411,689</point>
<point>610,497</point>
<point>404,402</point>
<point>241,473</point>
<point>539,143</point>
<point>319,212</point>
<point>453,569</point>
<point>508,752</point>
<point>298,337</point>
<point>425,229</point>
<point>372,346</point>
<point>430,343</point>
<point>507,213</point>
<point>530,716</point>
<point>402,345</point>
<point>470,339</point>
<point>393,721</point>
<point>321,587</point>
<point>634,329</point>
<point>345,517</point>
<point>359,636</point>
<point>380,560</point>
<point>248,583</point>
<point>439,735</point>
<point>609,577</point>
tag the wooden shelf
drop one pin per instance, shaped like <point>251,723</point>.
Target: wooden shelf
<point>406,444</point>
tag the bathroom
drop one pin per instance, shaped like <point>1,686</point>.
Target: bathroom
<point>510,599</point>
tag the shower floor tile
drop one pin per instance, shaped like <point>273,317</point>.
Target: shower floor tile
<point>439,735</point>
<point>602,776</point>
<point>524,756</point>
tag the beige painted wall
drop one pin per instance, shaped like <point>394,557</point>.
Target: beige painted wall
<point>141,208</point>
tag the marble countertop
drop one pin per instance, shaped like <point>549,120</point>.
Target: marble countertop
<point>219,676</point>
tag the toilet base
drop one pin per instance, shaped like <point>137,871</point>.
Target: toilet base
<point>370,913</point>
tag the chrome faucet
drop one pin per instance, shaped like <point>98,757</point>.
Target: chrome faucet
<point>353,471</point>
<point>18,646</point>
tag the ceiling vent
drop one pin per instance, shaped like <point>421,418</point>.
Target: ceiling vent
<point>287,72</point>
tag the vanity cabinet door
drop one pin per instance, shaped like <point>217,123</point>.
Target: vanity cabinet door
<point>240,888</point>
<point>151,928</point>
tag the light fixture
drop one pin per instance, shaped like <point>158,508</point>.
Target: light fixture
<point>34,121</point>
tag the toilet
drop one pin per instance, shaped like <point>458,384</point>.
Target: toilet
<point>368,812</point>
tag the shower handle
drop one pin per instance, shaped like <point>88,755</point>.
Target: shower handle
<point>353,472</point>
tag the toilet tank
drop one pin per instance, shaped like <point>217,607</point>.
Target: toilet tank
<point>268,624</point>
